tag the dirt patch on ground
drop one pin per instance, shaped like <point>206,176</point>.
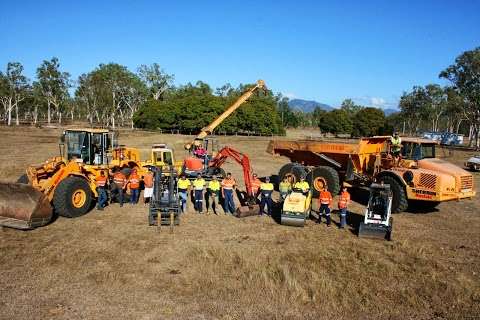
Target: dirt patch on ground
<point>112,265</point>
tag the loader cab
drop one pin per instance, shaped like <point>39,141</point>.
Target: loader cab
<point>162,156</point>
<point>89,146</point>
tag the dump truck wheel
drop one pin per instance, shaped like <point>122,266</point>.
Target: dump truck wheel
<point>322,175</point>
<point>286,169</point>
<point>399,201</point>
<point>23,179</point>
<point>72,197</point>
<point>297,172</point>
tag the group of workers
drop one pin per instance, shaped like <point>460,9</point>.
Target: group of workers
<point>210,192</point>
<point>118,185</point>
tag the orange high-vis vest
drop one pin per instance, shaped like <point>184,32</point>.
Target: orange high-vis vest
<point>344,200</point>
<point>119,178</point>
<point>228,184</point>
<point>148,180</point>
<point>101,181</point>
<point>325,197</point>
<point>256,183</point>
<point>134,181</point>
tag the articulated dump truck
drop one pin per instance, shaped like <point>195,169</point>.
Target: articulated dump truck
<point>417,179</point>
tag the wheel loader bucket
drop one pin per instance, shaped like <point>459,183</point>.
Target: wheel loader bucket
<point>375,231</point>
<point>23,207</point>
<point>247,211</point>
<point>293,220</point>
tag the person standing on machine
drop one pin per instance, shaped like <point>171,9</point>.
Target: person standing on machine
<point>302,185</point>
<point>343,203</point>
<point>198,186</point>
<point>183,189</point>
<point>325,202</point>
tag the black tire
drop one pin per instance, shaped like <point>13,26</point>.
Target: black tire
<point>63,197</point>
<point>23,179</point>
<point>399,201</point>
<point>284,171</point>
<point>329,174</point>
<point>220,172</point>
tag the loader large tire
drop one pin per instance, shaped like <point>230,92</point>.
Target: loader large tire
<point>297,172</point>
<point>399,200</point>
<point>321,175</point>
<point>23,179</point>
<point>72,197</point>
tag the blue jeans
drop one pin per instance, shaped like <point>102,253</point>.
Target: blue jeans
<point>343,217</point>
<point>199,201</point>
<point>183,200</point>
<point>324,209</point>
<point>102,198</point>
<point>134,193</point>
<point>266,200</point>
<point>229,204</point>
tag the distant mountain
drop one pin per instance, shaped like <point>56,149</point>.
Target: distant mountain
<point>390,111</point>
<point>307,105</point>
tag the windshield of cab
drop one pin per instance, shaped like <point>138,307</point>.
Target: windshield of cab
<point>417,151</point>
<point>77,145</point>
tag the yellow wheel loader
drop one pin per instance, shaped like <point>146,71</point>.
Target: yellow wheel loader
<point>64,185</point>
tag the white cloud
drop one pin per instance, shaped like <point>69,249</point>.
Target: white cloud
<point>377,102</point>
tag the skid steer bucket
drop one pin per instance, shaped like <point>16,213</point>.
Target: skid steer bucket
<point>377,231</point>
<point>23,207</point>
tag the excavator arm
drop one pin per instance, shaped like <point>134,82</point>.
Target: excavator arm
<point>241,158</point>
<point>215,123</point>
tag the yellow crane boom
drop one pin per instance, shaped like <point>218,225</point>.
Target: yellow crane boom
<point>215,123</point>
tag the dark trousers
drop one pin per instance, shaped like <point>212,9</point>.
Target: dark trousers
<point>102,198</point>
<point>134,193</point>
<point>212,199</point>
<point>324,209</point>
<point>343,217</point>
<point>199,201</point>
<point>266,200</point>
<point>229,204</point>
<point>119,191</point>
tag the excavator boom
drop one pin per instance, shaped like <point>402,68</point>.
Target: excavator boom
<point>215,123</point>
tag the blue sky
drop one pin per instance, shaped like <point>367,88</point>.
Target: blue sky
<point>370,51</point>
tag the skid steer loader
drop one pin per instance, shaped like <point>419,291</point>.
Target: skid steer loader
<point>63,185</point>
<point>377,222</point>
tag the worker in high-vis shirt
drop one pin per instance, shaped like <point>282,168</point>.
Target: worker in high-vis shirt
<point>325,202</point>
<point>256,183</point>
<point>198,188</point>
<point>343,203</point>
<point>213,194</point>
<point>396,147</point>
<point>148,184</point>
<point>134,183</point>
<point>302,185</point>
<point>183,186</point>
<point>228,185</point>
<point>266,190</point>
<point>101,182</point>
<point>285,187</point>
<point>119,184</point>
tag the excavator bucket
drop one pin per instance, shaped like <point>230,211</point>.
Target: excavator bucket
<point>23,207</point>
<point>247,211</point>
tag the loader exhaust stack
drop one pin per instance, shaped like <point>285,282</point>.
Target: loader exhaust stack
<point>23,207</point>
